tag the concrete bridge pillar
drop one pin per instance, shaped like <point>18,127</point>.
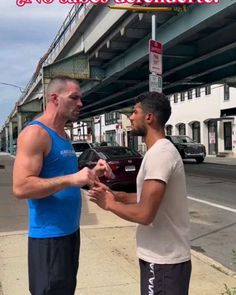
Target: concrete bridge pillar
<point>7,138</point>
<point>11,137</point>
<point>19,121</point>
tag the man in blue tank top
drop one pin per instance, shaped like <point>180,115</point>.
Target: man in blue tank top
<point>46,174</point>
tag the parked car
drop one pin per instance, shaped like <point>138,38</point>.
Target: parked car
<point>124,162</point>
<point>81,146</point>
<point>105,143</point>
<point>188,148</point>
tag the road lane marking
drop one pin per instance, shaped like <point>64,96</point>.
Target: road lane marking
<point>212,204</point>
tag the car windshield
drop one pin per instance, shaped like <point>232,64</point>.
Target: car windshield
<point>119,153</point>
<point>81,146</point>
<point>182,139</point>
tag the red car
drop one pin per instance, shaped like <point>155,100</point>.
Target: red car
<point>124,162</point>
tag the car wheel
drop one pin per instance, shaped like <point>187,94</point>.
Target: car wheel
<point>199,160</point>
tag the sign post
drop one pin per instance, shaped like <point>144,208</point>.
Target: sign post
<point>155,66</point>
<point>155,83</point>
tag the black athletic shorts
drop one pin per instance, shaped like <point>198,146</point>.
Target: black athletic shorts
<point>53,265</point>
<point>164,279</point>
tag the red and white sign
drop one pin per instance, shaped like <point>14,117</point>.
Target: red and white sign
<point>155,57</point>
<point>212,138</point>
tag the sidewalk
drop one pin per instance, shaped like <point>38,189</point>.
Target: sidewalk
<point>108,263</point>
<point>220,160</point>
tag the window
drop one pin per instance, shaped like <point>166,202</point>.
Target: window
<point>198,92</point>
<point>119,153</point>
<point>181,139</point>
<point>196,131</point>
<point>111,136</point>
<point>168,129</point>
<point>182,130</point>
<point>85,156</point>
<point>182,96</point>
<point>80,146</point>
<point>208,90</point>
<point>94,157</point>
<point>111,118</point>
<point>190,94</point>
<point>226,92</point>
<point>175,97</point>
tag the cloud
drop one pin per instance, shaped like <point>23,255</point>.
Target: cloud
<point>26,34</point>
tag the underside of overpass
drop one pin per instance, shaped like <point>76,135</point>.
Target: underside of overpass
<point>108,52</point>
<point>199,49</point>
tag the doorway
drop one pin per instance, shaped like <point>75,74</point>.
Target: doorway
<point>228,136</point>
<point>132,141</point>
<point>196,131</point>
<point>212,137</point>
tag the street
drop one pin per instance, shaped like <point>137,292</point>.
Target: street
<point>212,203</point>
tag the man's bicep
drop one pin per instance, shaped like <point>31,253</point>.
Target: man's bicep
<point>28,164</point>
<point>29,156</point>
<point>152,194</point>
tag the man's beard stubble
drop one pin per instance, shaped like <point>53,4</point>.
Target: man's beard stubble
<point>140,131</point>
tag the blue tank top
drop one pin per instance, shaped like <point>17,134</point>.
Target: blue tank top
<point>58,214</point>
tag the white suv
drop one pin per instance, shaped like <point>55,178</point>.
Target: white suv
<point>80,147</point>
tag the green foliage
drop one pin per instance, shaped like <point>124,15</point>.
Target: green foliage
<point>228,291</point>
<point>231,291</point>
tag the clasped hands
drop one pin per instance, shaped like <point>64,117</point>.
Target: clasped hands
<point>101,195</point>
<point>101,169</point>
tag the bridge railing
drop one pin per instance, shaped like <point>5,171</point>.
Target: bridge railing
<point>76,13</point>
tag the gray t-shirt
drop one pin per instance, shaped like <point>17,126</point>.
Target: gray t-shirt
<point>166,239</point>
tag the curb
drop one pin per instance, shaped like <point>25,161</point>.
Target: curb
<point>214,163</point>
<point>211,262</point>
<point>13,233</point>
<point>6,154</point>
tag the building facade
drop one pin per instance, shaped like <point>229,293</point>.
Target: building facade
<point>208,115</point>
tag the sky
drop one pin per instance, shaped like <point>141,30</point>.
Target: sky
<point>26,33</point>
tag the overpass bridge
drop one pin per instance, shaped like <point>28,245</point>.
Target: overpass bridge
<point>107,51</point>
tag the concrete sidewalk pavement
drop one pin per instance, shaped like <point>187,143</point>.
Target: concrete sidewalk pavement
<point>108,263</point>
<point>220,160</point>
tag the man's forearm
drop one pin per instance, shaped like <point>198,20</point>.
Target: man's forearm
<point>37,188</point>
<point>130,212</point>
<point>126,198</point>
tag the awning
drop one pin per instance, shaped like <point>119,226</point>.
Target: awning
<point>219,119</point>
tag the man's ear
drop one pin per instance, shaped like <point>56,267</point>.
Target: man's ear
<point>149,117</point>
<point>54,98</point>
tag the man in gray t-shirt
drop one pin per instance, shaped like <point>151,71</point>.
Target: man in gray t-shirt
<point>160,205</point>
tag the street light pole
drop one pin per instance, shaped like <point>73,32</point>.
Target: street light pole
<point>22,90</point>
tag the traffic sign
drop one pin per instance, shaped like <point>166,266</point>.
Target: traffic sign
<point>155,83</point>
<point>155,57</point>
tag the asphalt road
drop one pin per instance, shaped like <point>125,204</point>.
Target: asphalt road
<point>212,201</point>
